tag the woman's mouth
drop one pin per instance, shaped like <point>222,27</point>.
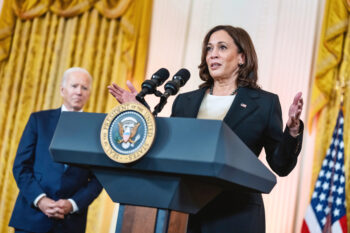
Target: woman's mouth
<point>214,66</point>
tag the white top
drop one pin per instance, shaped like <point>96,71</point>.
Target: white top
<point>215,107</point>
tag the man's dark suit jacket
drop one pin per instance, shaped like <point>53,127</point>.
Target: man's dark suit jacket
<point>255,116</point>
<point>35,173</point>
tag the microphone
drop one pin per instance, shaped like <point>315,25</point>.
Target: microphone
<point>172,88</point>
<point>150,86</point>
<point>180,78</point>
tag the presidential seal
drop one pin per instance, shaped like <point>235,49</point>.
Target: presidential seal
<point>128,132</point>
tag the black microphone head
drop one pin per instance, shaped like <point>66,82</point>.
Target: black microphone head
<point>179,79</point>
<point>183,76</point>
<point>160,76</point>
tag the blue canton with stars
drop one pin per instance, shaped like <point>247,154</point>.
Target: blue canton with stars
<point>328,198</point>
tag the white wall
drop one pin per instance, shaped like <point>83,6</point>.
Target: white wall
<point>284,34</point>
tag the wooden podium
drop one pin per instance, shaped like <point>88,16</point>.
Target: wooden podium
<point>190,163</point>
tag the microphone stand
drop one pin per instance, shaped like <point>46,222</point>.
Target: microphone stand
<point>160,106</point>
<point>162,102</point>
<point>142,100</point>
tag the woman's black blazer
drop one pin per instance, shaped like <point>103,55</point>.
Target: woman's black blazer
<point>255,116</point>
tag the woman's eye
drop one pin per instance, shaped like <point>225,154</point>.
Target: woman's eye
<point>209,49</point>
<point>223,47</point>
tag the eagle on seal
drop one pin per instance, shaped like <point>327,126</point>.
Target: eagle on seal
<point>127,132</point>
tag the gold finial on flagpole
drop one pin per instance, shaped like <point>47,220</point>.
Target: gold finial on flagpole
<point>342,91</point>
<point>339,87</point>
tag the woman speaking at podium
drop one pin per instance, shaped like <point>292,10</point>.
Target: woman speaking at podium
<point>230,93</point>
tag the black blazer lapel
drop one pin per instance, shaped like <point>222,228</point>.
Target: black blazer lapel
<point>193,102</point>
<point>242,106</point>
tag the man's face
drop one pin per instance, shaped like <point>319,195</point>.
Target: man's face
<point>76,91</point>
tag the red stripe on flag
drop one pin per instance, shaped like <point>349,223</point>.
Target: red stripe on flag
<point>344,224</point>
<point>305,228</point>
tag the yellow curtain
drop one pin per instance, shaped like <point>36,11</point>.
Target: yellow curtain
<point>331,82</point>
<point>38,41</point>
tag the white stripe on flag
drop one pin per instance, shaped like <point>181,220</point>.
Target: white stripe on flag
<point>311,221</point>
<point>336,228</point>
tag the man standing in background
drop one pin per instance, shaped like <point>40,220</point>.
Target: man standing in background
<point>52,197</point>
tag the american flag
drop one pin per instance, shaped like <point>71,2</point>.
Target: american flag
<point>327,210</point>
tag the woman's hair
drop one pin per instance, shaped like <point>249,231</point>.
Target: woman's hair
<point>248,72</point>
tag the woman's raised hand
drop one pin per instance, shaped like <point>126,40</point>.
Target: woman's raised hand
<point>122,95</point>
<point>295,110</point>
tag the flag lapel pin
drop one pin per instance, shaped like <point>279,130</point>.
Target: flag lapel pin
<point>243,105</point>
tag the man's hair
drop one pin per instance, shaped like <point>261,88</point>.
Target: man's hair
<point>72,70</point>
